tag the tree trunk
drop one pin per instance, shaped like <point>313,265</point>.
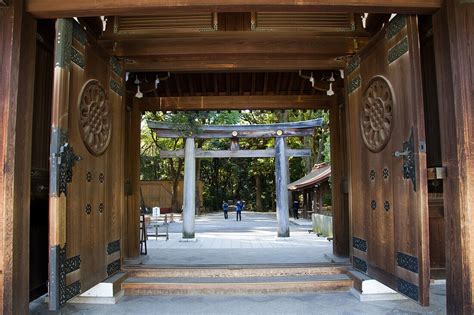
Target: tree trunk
<point>215,181</point>
<point>175,171</point>
<point>258,196</point>
<point>198,178</point>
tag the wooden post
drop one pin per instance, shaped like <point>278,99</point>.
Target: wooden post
<point>189,189</point>
<point>132,222</point>
<point>340,209</point>
<point>17,72</point>
<point>452,28</point>
<point>281,174</point>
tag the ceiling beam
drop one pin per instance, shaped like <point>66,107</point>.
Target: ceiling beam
<point>264,102</point>
<point>71,8</point>
<point>141,34</point>
<point>213,63</point>
<point>244,44</point>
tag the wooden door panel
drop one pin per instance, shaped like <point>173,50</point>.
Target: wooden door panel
<point>388,194</point>
<point>88,216</point>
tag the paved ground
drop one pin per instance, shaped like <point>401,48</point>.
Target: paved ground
<point>250,241</point>
<point>307,303</point>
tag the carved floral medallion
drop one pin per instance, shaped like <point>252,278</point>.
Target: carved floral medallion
<point>376,116</point>
<point>95,121</point>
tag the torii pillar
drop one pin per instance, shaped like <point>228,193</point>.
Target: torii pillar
<point>189,190</point>
<point>281,185</point>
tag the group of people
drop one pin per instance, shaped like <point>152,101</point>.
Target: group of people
<point>240,205</point>
<point>238,209</point>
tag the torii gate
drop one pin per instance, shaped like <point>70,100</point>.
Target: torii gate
<point>278,131</point>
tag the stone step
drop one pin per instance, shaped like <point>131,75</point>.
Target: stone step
<point>235,271</point>
<point>236,285</point>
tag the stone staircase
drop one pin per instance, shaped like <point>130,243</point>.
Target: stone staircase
<point>236,280</point>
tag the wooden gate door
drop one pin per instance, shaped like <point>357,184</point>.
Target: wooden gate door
<point>388,190</point>
<point>86,161</point>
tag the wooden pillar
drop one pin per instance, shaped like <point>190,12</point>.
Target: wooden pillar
<point>132,220</point>
<point>17,72</point>
<point>340,209</point>
<point>453,31</point>
<point>281,174</point>
<point>189,189</point>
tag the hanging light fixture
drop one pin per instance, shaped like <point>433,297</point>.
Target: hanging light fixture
<point>312,80</point>
<point>341,71</point>
<point>126,76</point>
<point>330,92</point>
<point>331,79</point>
<point>139,93</point>
<point>157,81</point>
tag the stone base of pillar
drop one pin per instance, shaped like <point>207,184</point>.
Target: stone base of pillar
<point>285,234</point>
<point>188,240</point>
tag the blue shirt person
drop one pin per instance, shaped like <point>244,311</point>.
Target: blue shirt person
<point>238,209</point>
<point>225,207</point>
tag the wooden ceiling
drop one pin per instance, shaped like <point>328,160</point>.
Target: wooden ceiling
<point>242,90</point>
<point>232,84</point>
<point>70,8</point>
<point>234,41</point>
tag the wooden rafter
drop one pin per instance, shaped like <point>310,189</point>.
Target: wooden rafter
<point>61,8</point>
<point>274,102</point>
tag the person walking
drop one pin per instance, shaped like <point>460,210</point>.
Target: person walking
<point>296,206</point>
<point>238,210</point>
<point>225,207</point>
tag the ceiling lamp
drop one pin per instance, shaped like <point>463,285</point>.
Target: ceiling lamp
<point>139,93</point>
<point>330,92</point>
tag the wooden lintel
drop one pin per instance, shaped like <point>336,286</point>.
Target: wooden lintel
<point>249,62</point>
<point>267,102</point>
<point>271,133</point>
<point>292,129</point>
<point>268,153</point>
<point>230,44</point>
<point>70,8</point>
<point>280,33</point>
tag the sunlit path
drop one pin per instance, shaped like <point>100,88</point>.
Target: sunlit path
<point>250,241</point>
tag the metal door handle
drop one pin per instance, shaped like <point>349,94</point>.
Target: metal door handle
<point>399,154</point>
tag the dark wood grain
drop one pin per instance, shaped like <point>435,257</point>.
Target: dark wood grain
<point>56,8</point>
<point>403,226</point>
<point>452,28</point>
<point>97,179</point>
<point>17,68</point>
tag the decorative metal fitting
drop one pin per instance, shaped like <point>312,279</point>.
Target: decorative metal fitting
<point>101,208</point>
<point>89,177</point>
<point>88,208</point>
<point>279,132</point>
<point>386,173</point>
<point>408,154</point>
<point>386,205</point>
<point>101,178</point>
<point>372,175</point>
<point>373,204</point>
<point>66,161</point>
